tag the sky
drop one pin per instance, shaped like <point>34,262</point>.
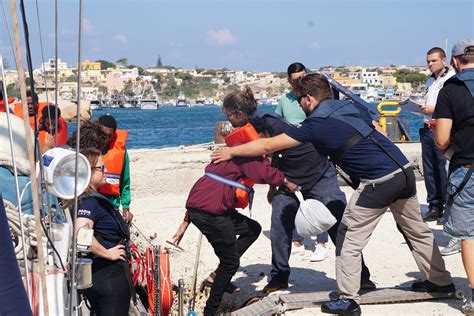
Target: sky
<point>257,35</point>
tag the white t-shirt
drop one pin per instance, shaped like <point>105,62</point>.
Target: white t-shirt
<point>433,87</point>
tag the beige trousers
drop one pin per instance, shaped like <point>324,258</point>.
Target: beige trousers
<point>359,222</point>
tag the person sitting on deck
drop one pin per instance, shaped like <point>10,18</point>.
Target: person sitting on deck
<point>47,128</point>
<point>115,154</point>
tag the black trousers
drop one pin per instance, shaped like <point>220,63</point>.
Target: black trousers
<point>110,293</point>
<point>221,231</point>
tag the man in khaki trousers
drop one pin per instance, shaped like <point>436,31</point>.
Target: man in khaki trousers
<point>381,175</point>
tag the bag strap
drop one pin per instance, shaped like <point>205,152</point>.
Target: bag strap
<point>299,196</point>
<point>461,186</point>
<point>234,184</point>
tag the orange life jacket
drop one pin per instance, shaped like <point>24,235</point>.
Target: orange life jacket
<point>18,111</point>
<point>113,160</point>
<point>62,133</point>
<point>2,104</point>
<point>242,135</point>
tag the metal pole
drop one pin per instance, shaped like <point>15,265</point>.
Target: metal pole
<point>56,71</point>
<point>157,298</point>
<point>78,140</point>
<point>34,188</point>
<point>17,186</point>
<point>180,297</point>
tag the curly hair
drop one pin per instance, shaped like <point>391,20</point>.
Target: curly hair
<point>92,135</point>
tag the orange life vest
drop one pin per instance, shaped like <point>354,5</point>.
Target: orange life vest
<point>62,133</point>
<point>242,135</point>
<point>2,104</point>
<point>113,160</point>
<point>18,111</point>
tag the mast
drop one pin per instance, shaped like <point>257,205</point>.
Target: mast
<point>34,187</point>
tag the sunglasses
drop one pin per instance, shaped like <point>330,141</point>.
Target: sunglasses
<point>100,168</point>
<point>299,98</point>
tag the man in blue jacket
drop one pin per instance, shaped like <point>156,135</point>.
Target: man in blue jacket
<point>382,174</point>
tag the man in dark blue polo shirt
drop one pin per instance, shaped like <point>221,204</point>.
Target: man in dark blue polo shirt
<point>383,176</point>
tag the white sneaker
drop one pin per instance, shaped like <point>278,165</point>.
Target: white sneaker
<point>297,250</point>
<point>320,254</point>
<point>454,246</point>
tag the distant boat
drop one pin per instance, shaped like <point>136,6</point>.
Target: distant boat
<point>96,105</point>
<point>209,101</point>
<point>182,102</point>
<point>149,104</point>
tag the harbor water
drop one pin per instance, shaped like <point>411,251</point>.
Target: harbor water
<point>175,126</point>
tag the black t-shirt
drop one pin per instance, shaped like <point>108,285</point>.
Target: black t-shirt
<point>302,164</point>
<point>107,228</point>
<point>455,102</point>
<point>364,160</point>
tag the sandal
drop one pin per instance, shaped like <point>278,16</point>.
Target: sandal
<point>231,287</point>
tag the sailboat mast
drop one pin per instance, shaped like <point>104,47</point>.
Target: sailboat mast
<point>34,187</point>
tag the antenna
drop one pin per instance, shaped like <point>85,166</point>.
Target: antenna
<point>446,45</point>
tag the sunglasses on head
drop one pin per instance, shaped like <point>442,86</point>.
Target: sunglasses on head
<point>100,168</point>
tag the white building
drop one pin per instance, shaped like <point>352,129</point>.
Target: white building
<point>50,65</point>
<point>370,77</point>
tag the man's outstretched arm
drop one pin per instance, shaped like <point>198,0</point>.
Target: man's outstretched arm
<point>255,148</point>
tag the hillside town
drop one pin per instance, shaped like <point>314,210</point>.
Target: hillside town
<point>120,84</point>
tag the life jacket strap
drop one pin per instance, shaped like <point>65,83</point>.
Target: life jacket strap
<point>234,184</point>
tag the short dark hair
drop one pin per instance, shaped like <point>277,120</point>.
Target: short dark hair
<point>33,95</point>
<point>437,50</point>
<point>295,67</point>
<point>50,112</point>
<point>92,135</point>
<point>468,56</point>
<point>315,85</point>
<point>241,101</point>
<point>108,121</point>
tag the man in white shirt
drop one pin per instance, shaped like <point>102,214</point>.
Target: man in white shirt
<point>434,164</point>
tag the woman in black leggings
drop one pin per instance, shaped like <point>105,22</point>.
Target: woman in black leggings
<point>110,293</point>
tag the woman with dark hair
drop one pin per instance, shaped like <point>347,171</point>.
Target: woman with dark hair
<point>111,291</point>
<point>211,205</point>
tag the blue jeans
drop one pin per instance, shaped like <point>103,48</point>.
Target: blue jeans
<point>320,239</point>
<point>459,217</point>
<point>434,169</point>
<point>284,208</point>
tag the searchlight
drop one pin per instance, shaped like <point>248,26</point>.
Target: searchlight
<point>59,172</point>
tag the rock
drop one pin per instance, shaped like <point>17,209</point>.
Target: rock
<point>69,108</point>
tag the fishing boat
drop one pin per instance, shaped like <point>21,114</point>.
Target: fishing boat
<point>182,102</point>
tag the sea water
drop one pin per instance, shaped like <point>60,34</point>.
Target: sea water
<point>172,127</point>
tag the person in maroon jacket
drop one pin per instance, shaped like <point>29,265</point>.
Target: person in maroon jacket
<point>210,208</point>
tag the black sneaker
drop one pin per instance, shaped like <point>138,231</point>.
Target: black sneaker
<point>427,286</point>
<point>341,307</point>
<point>434,213</point>
<point>274,285</point>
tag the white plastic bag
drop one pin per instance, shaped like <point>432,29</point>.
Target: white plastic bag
<point>313,217</point>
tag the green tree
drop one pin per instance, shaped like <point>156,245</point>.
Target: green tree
<point>415,78</point>
<point>159,63</point>
<point>103,90</point>
<point>104,64</point>
<point>122,61</point>
<point>13,90</point>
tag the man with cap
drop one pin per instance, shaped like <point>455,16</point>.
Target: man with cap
<point>453,133</point>
<point>115,155</point>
